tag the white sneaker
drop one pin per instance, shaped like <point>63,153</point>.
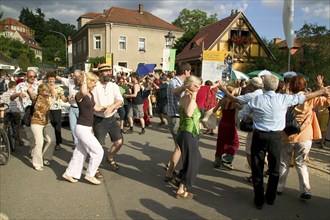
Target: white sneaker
<point>39,168</point>
<point>93,180</point>
<point>69,178</point>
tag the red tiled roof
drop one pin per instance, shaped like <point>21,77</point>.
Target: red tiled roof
<point>296,44</point>
<point>208,34</point>
<point>132,17</point>
<point>30,41</point>
<point>11,22</point>
<point>90,15</point>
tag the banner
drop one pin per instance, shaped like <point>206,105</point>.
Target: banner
<point>87,67</point>
<point>172,59</point>
<point>108,59</point>
<point>288,19</point>
<point>216,65</point>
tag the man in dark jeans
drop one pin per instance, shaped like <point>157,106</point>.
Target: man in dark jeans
<point>269,110</point>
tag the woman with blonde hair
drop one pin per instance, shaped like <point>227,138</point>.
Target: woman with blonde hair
<point>188,134</point>
<point>42,129</point>
<point>87,142</point>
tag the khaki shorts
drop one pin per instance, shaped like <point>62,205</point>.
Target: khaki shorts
<point>135,111</point>
<point>173,125</point>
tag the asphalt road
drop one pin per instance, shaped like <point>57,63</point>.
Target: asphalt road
<point>137,189</point>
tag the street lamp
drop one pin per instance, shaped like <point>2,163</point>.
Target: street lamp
<point>169,39</point>
<point>168,53</point>
<point>66,48</point>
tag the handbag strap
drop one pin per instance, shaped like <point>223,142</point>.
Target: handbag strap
<point>303,120</point>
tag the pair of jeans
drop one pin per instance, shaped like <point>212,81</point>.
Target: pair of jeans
<point>73,117</point>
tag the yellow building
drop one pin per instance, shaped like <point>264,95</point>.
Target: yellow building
<point>232,35</point>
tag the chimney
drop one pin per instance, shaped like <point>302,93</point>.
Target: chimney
<point>277,40</point>
<point>141,9</point>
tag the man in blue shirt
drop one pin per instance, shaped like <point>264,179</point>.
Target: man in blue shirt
<point>269,110</point>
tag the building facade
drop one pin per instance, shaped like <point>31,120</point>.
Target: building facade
<point>233,35</point>
<point>129,36</point>
<point>12,28</point>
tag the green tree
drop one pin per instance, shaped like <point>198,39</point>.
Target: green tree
<point>280,64</point>
<point>315,41</point>
<point>311,30</point>
<point>95,61</point>
<point>36,21</point>
<point>18,50</point>
<point>191,21</point>
<point>51,45</point>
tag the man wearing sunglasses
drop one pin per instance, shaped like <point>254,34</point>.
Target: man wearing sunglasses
<point>25,99</point>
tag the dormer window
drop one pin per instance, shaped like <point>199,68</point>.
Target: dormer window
<point>193,45</point>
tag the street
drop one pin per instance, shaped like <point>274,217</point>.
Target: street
<point>137,190</point>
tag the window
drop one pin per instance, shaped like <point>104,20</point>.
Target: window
<point>97,42</point>
<point>123,64</point>
<point>122,43</point>
<point>142,44</point>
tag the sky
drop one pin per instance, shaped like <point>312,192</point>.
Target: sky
<point>264,15</point>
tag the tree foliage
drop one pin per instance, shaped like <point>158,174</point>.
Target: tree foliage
<point>51,43</point>
<point>18,50</point>
<point>191,21</point>
<point>312,61</point>
<point>95,61</point>
<point>311,30</point>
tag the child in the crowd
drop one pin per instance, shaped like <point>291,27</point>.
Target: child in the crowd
<point>14,109</point>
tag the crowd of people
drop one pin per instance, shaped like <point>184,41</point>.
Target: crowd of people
<point>102,105</point>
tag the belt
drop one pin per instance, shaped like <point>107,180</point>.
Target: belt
<point>260,131</point>
<point>175,116</point>
<point>73,106</point>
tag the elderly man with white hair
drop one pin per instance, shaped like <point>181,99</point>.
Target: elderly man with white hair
<point>269,110</point>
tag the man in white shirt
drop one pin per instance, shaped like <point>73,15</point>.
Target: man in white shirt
<point>107,93</point>
<point>25,100</point>
<point>74,87</point>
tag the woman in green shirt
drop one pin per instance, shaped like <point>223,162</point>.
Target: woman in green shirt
<point>188,134</point>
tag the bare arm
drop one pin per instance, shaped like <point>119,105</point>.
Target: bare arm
<point>322,91</point>
<point>189,103</point>
<point>16,95</point>
<point>109,109</point>
<point>98,108</point>
<point>230,96</point>
<point>83,89</point>
<point>178,90</point>
<point>136,90</point>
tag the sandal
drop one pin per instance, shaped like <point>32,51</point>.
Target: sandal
<point>98,174</point>
<point>175,182</point>
<point>113,164</point>
<point>184,195</point>
<point>175,173</point>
